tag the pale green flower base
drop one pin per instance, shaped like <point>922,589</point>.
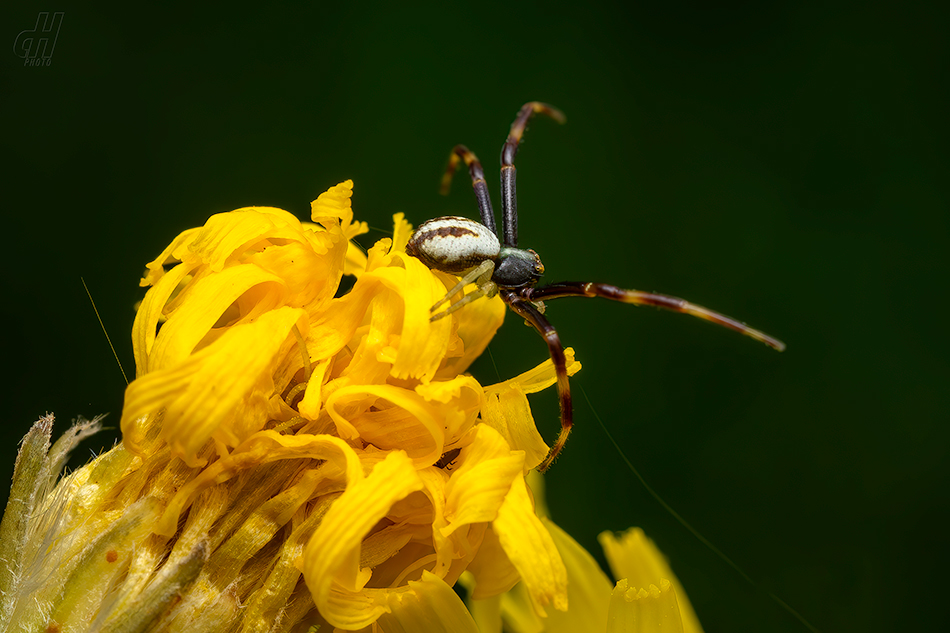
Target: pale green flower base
<point>71,563</point>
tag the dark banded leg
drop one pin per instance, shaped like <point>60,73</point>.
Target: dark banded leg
<point>532,315</point>
<point>509,197</point>
<point>638,297</point>
<point>478,183</point>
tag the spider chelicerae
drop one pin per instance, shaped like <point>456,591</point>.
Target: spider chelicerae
<point>472,251</point>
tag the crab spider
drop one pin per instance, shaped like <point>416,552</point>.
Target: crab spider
<point>472,251</point>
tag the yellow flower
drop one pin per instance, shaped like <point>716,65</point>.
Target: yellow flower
<point>647,598</point>
<point>290,457</point>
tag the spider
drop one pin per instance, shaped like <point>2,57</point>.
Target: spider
<point>471,250</point>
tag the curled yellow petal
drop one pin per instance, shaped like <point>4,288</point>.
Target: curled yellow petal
<point>156,268</point>
<point>429,606</point>
<point>232,375</point>
<point>334,205</point>
<point>507,411</point>
<point>228,235</point>
<point>402,231</point>
<point>408,424</point>
<point>422,343</point>
<point>331,560</point>
<point>151,312</point>
<point>482,480</point>
<point>195,319</point>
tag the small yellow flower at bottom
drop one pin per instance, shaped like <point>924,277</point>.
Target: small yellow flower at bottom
<point>642,610</point>
<point>634,557</point>
<point>647,599</point>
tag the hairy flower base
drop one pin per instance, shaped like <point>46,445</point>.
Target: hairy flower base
<point>291,457</point>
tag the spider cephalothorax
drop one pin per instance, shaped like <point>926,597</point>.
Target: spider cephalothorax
<point>472,251</point>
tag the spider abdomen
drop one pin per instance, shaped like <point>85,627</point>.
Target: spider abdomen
<point>453,244</point>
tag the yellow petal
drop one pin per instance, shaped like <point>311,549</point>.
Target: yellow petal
<point>355,261</point>
<point>194,319</point>
<point>636,558</point>
<point>519,612</point>
<point>541,377</point>
<point>429,606</point>
<point>588,589</point>
<point>650,610</point>
<point>331,331</point>
<point>487,614</point>
<point>481,482</point>
<point>331,560</point>
<point>491,570</point>
<point>312,403</point>
<point>423,343</point>
<point>400,330</point>
<point>410,424</point>
<point>507,411</point>
<point>226,236</point>
<point>151,312</point>
<point>156,268</point>
<point>531,549</point>
<point>334,206</point>
<point>309,277</point>
<point>340,462</point>
<point>224,382</point>
<point>462,396</point>
<point>402,231</point>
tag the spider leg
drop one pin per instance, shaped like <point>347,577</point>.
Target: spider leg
<point>478,182</point>
<point>638,297</point>
<point>509,197</point>
<point>482,273</point>
<point>524,308</point>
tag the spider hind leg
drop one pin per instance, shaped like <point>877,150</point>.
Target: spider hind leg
<point>532,316</point>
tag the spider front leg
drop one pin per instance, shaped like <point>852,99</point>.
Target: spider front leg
<point>480,275</point>
<point>638,297</point>
<point>526,309</point>
<point>509,196</point>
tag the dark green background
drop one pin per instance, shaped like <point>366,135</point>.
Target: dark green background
<point>787,165</point>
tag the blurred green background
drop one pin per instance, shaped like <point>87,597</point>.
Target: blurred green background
<point>785,164</point>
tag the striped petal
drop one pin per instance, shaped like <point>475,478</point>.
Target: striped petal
<point>531,550</point>
<point>331,560</point>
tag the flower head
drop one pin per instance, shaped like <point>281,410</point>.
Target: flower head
<point>306,455</point>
